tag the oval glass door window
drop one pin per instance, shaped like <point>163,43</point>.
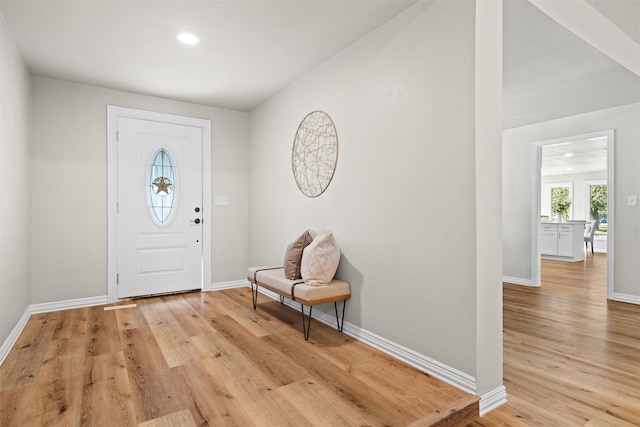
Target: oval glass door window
<point>162,186</point>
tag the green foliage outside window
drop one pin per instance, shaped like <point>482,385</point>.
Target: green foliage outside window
<point>560,201</point>
<point>598,205</point>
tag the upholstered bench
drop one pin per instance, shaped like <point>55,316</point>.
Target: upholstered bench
<point>307,276</point>
<point>273,279</point>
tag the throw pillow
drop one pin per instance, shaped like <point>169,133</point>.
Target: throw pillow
<point>293,256</point>
<point>320,260</point>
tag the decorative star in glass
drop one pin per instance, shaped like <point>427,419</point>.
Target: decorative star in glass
<point>162,186</point>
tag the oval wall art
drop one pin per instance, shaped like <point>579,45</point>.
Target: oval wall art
<point>315,153</point>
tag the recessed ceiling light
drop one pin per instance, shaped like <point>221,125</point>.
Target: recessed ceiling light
<point>569,168</point>
<point>187,38</point>
<point>568,154</point>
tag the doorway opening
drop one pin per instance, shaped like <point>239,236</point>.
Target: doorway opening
<point>576,205</point>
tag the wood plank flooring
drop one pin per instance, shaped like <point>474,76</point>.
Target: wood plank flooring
<point>571,358</point>
<point>209,359</point>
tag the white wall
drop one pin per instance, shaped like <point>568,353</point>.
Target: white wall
<point>69,172</point>
<point>402,203</point>
<point>517,187</point>
<point>15,208</point>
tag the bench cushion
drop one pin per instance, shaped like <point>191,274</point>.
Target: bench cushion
<point>273,278</point>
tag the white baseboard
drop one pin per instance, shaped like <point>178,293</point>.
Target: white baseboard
<point>68,304</point>
<point>491,400</point>
<point>488,401</point>
<point>13,336</point>
<point>45,308</point>
<point>228,285</point>
<point>451,376</point>
<point>631,299</point>
<point>518,281</point>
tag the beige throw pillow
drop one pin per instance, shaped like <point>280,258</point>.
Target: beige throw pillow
<point>293,256</point>
<point>320,260</point>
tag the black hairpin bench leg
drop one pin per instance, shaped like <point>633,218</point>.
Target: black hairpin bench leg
<point>254,295</point>
<point>339,322</point>
<point>306,325</point>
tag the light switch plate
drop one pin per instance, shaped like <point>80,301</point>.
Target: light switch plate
<point>632,200</point>
<point>221,200</point>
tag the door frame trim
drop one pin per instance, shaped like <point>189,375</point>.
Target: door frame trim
<point>536,147</point>
<point>115,112</point>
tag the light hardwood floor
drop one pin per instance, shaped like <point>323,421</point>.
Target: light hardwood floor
<point>210,359</point>
<point>571,358</point>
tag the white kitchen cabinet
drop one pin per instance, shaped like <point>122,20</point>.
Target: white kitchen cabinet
<point>549,239</point>
<point>562,241</point>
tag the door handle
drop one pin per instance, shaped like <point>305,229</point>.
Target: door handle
<point>197,220</point>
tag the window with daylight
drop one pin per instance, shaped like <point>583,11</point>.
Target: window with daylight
<point>598,207</point>
<point>560,201</point>
<point>162,186</point>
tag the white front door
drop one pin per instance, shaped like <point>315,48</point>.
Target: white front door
<point>159,208</point>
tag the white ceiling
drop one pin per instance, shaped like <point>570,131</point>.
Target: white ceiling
<point>625,14</point>
<point>575,157</point>
<point>549,72</point>
<point>249,50</point>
